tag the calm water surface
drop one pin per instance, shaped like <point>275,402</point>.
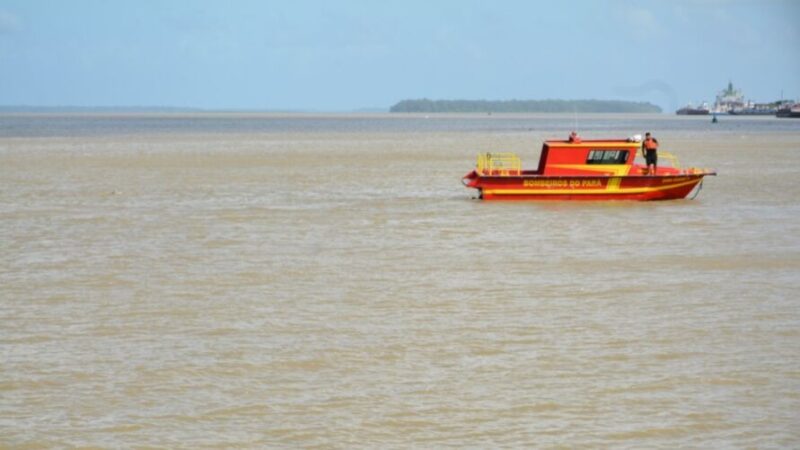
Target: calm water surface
<point>297,281</point>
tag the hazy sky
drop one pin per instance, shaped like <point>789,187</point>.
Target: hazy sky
<point>344,55</point>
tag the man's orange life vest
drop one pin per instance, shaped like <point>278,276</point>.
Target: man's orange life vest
<point>650,144</point>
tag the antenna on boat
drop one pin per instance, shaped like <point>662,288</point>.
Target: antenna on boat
<point>575,118</point>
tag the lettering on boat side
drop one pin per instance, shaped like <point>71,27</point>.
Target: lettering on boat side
<point>545,183</point>
<point>562,183</point>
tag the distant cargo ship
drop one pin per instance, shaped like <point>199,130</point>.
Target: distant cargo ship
<point>731,101</point>
<point>761,109</point>
<point>792,111</point>
<point>689,110</point>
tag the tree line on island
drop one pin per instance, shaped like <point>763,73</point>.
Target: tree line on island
<point>522,106</point>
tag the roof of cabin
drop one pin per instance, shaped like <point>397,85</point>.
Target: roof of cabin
<point>594,143</point>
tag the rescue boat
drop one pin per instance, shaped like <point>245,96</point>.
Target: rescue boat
<point>576,169</point>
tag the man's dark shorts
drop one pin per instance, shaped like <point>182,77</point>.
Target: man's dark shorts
<point>651,157</point>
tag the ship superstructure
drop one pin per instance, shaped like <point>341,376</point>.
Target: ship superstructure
<point>730,99</point>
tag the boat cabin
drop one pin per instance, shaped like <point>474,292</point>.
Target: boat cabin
<point>589,157</point>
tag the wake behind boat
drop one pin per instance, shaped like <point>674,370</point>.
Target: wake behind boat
<point>576,169</point>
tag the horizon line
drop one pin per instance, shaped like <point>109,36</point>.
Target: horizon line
<point>177,109</point>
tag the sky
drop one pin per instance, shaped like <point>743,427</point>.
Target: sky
<point>352,54</point>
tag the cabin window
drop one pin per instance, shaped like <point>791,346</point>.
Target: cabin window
<point>607,157</point>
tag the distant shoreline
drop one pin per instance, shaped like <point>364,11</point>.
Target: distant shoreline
<point>425,106</point>
<point>523,106</point>
<point>134,109</point>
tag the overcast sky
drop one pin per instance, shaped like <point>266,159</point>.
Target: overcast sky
<point>344,55</point>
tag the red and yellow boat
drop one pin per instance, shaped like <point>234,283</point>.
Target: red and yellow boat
<point>576,169</point>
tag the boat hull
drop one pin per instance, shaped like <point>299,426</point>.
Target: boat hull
<point>666,187</point>
<point>785,113</point>
<point>749,112</point>
<point>692,112</point>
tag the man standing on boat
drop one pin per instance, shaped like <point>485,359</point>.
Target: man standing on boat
<point>649,151</point>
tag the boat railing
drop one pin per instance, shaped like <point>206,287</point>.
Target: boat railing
<point>673,160</point>
<point>499,164</point>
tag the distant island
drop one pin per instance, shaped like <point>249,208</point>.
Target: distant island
<point>522,106</point>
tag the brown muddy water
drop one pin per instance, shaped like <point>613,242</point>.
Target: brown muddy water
<point>326,281</point>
